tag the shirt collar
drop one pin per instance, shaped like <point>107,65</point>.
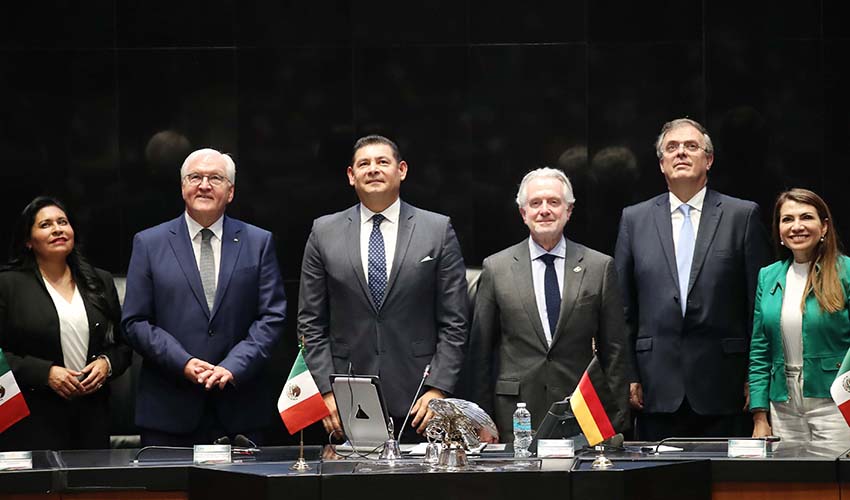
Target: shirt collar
<point>391,213</point>
<point>695,202</point>
<point>216,227</point>
<point>536,250</point>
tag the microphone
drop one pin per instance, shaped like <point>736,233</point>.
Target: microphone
<point>413,402</point>
<point>242,441</point>
<point>615,441</point>
<point>222,440</point>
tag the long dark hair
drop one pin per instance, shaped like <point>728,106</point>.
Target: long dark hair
<point>22,258</point>
<point>823,278</point>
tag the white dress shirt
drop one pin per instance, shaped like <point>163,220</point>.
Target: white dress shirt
<point>538,277</point>
<point>217,229</point>
<point>389,230</point>
<point>678,218</point>
<point>73,327</point>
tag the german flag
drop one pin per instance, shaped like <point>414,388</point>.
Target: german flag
<point>588,404</point>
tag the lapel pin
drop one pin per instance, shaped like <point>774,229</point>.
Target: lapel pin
<point>577,269</point>
<point>236,240</point>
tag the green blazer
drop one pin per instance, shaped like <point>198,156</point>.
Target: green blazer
<point>826,339</point>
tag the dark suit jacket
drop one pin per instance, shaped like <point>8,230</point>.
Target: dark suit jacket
<point>168,322</point>
<point>510,359</point>
<point>423,319</point>
<point>702,356</point>
<point>29,336</point>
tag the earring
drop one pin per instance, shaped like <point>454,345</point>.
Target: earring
<point>782,242</point>
<point>821,239</point>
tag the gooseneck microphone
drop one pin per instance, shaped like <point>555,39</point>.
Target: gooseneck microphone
<point>413,402</point>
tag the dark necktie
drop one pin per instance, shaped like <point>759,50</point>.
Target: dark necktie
<point>553,294</point>
<point>207,267</point>
<point>377,262</point>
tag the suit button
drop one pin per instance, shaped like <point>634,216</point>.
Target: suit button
<point>211,333</point>
<point>838,365</point>
<point>548,358</point>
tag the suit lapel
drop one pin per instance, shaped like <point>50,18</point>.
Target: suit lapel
<point>181,245</point>
<point>664,226</point>
<point>572,284</point>
<point>521,270</point>
<point>230,247</point>
<point>406,224</point>
<point>708,222</point>
<point>352,238</point>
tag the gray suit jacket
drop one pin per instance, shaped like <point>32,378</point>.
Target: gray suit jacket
<point>510,359</point>
<point>703,355</point>
<point>423,318</point>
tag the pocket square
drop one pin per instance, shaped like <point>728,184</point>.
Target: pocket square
<point>427,258</point>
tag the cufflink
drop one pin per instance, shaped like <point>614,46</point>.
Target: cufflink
<point>577,269</point>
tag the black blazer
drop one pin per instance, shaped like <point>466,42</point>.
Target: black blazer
<point>29,328</point>
<point>704,355</point>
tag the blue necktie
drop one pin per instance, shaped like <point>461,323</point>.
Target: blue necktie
<point>685,255</point>
<point>553,294</point>
<point>377,262</point>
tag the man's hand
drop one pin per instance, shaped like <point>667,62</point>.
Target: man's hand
<point>331,422</point>
<point>760,426</point>
<point>486,437</point>
<point>420,411</point>
<point>746,396</point>
<point>64,382</point>
<point>636,396</point>
<point>218,375</point>
<point>194,368</point>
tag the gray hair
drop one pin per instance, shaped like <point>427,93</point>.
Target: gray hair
<point>678,122</point>
<point>229,165</point>
<point>545,172</point>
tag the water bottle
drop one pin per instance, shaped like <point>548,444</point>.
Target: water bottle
<point>522,431</point>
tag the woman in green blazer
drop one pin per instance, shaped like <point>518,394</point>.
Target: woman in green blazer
<point>801,326</point>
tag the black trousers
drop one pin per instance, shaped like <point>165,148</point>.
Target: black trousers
<point>685,422</point>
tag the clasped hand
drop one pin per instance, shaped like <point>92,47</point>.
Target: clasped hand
<point>200,372</point>
<point>67,384</point>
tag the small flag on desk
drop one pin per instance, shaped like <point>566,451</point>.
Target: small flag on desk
<point>588,403</point>
<point>300,403</point>
<point>840,389</point>
<point>12,405</point>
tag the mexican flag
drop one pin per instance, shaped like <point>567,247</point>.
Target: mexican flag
<point>12,405</point>
<point>840,389</point>
<point>300,403</point>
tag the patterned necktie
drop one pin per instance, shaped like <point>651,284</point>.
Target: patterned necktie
<point>377,262</point>
<point>553,294</point>
<point>685,255</point>
<point>207,267</point>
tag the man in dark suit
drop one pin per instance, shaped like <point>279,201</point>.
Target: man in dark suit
<point>383,291</point>
<point>204,306</point>
<point>688,261</point>
<point>543,307</point>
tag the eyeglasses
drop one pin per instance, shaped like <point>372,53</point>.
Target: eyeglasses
<point>672,147</point>
<point>215,180</point>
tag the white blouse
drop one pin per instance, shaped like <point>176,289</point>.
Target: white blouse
<point>792,317</point>
<point>73,327</point>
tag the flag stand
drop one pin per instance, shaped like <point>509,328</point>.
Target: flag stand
<point>601,462</point>
<point>300,465</point>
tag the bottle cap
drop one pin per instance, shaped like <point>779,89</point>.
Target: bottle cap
<point>520,405</point>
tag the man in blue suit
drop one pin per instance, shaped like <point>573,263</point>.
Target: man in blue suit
<point>688,261</point>
<point>204,306</point>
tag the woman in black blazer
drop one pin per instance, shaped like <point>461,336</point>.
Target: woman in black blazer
<point>60,332</point>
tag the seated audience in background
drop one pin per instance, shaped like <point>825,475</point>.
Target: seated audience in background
<point>801,326</point>
<point>543,307</point>
<point>60,332</point>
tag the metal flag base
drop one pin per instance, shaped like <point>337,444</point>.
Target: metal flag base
<point>300,465</point>
<point>601,462</point>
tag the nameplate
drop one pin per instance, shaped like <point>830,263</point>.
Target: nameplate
<point>555,448</point>
<point>16,460</point>
<point>747,448</point>
<point>212,454</point>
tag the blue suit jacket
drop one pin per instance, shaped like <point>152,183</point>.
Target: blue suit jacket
<point>168,322</point>
<point>704,355</point>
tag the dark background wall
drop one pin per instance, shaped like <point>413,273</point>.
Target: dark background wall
<point>100,101</point>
